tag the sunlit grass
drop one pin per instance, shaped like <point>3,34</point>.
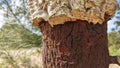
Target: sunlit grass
<point>21,58</point>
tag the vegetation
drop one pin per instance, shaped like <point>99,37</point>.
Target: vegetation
<point>114,43</point>
<point>19,48</point>
<point>18,37</point>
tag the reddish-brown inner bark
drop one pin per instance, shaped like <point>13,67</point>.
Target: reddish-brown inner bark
<point>75,44</point>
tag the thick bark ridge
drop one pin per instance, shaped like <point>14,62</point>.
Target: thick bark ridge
<point>75,44</point>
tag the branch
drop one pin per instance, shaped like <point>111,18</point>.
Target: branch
<point>12,11</point>
<point>15,15</point>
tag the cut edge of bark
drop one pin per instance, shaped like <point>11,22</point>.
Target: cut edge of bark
<point>75,15</point>
<point>59,12</point>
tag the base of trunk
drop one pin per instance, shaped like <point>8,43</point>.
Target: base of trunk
<point>75,44</point>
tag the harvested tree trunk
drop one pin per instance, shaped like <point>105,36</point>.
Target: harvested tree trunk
<point>69,39</point>
<point>75,44</point>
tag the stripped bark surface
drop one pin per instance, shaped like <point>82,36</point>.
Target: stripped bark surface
<point>75,44</point>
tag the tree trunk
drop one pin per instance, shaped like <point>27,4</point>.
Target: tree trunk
<point>75,44</point>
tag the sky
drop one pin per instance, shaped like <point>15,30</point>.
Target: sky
<point>110,23</point>
<point>1,18</point>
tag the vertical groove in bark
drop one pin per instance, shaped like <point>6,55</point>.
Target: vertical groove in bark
<point>75,44</point>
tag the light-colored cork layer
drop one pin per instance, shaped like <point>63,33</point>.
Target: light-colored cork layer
<point>60,11</point>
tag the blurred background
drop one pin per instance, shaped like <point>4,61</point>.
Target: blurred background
<point>20,42</point>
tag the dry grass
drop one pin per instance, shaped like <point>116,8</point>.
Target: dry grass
<point>22,58</point>
<point>25,58</point>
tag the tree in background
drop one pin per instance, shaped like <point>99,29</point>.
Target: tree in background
<point>18,37</point>
<point>17,30</point>
<point>74,32</point>
<point>114,43</point>
<point>114,36</point>
<point>15,11</point>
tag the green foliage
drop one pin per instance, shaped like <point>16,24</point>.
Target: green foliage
<point>14,36</point>
<point>114,51</point>
<point>114,43</point>
<point>114,38</point>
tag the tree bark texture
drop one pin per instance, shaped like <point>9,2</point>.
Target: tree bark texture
<point>77,44</point>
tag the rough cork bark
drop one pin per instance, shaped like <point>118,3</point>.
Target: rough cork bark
<point>60,11</point>
<point>75,44</point>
